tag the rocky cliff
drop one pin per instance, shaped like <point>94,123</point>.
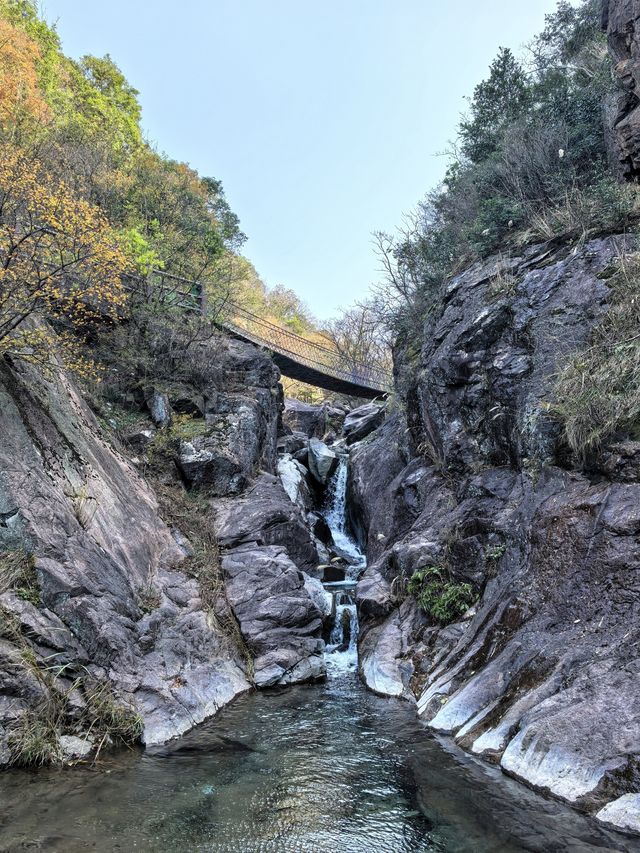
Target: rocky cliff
<point>541,670</point>
<point>621,22</point>
<point>119,620</point>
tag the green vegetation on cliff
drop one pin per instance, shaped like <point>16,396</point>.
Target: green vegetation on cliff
<point>530,163</point>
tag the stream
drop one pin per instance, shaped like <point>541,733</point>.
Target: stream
<point>324,767</point>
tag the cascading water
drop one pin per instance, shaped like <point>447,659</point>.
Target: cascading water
<point>335,514</point>
<point>342,645</point>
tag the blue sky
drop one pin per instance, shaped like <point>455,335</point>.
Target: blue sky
<point>324,121</point>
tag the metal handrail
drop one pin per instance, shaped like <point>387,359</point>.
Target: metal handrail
<point>269,335</point>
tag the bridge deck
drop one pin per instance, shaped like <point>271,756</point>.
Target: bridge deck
<point>291,366</point>
<point>296,356</point>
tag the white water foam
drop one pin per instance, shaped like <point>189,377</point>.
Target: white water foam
<point>341,654</point>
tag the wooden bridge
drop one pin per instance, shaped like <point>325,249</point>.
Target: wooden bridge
<point>296,356</point>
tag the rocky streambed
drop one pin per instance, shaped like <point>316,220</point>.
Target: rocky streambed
<point>191,543</point>
<point>322,766</point>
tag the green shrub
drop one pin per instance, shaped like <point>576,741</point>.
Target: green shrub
<point>439,596</point>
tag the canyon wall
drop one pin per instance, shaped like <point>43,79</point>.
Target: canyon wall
<point>474,479</point>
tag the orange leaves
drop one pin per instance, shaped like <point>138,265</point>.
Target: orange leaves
<point>58,256</point>
<point>20,94</point>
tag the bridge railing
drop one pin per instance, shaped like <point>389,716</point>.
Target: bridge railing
<point>186,295</point>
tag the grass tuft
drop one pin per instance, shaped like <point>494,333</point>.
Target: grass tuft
<point>18,573</point>
<point>598,393</point>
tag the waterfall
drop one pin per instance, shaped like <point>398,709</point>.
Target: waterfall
<point>335,514</point>
<point>342,645</point>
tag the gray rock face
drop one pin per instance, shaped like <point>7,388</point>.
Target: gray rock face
<point>98,543</point>
<point>225,459</point>
<point>265,515</point>
<point>322,461</point>
<point>279,618</point>
<point>621,21</point>
<point>270,561</point>
<point>314,421</point>
<point>540,674</point>
<point>362,421</point>
<point>241,406</point>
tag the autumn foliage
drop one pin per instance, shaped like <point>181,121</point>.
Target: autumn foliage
<point>58,258</point>
<point>20,93</point>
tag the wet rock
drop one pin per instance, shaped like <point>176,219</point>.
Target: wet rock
<point>319,528</point>
<point>280,621</point>
<point>359,423</point>
<point>74,748</point>
<point>322,461</point>
<point>333,573</point>
<point>623,813</point>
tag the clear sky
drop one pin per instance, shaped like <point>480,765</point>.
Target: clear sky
<point>324,120</point>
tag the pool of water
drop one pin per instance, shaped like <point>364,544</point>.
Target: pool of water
<point>326,767</point>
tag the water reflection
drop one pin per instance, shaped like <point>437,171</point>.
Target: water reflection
<point>319,768</point>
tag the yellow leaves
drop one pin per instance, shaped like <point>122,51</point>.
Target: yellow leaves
<point>58,255</point>
<point>20,93</point>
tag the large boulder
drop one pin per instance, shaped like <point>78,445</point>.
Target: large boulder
<point>278,615</point>
<point>322,461</point>
<point>312,420</point>
<point>265,515</point>
<point>238,439</point>
<point>359,423</point>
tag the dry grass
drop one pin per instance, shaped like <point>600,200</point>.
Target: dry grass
<point>17,572</point>
<point>190,513</point>
<point>580,213</point>
<point>598,393</point>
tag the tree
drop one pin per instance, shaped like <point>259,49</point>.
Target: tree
<point>496,101</point>
<point>361,338</point>
<point>20,95</point>
<point>59,258</point>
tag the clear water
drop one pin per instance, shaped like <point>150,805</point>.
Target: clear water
<point>306,770</point>
<point>326,768</point>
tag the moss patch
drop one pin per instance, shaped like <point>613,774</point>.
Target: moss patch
<point>439,596</point>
